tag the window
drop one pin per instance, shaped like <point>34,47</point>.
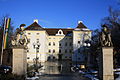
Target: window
<point>78,58</point>
<point>78,42</point>
<point>53,51</point>
<point>65,56</point>
<point>59,44</point>
<point>49,51</point>
<point>66,44</point>
<point>70,44</point>
<point>70,38</point>
<point>49,43</point>
<point>66,51</point>
<point>37,41</point>
<point>37,33</point>
<point>70,51</point>
<point>59,50</point>
<point>53,57</point>
<point>59,32</point>
<point>53,43</point>
<point>27,50</point>
<point>78,50</point>
<point>37,50</point>
<point>29,40</point>
<point>29,33</point>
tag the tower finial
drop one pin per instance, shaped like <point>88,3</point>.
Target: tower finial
<point>80,22</point>
<point>36,20</point>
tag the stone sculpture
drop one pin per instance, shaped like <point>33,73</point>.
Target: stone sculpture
<point>20,39</point>
<point>106,37</point>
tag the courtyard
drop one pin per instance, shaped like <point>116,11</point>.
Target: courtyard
<point>67,76</point>
<point>58,70</point>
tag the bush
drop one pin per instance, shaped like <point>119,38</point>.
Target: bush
<point>8,76</point>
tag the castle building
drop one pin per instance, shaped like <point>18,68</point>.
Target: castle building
<point>56,43</point>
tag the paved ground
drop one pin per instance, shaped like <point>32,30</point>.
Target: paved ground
<point>53,73</point>
<point>68,76</point>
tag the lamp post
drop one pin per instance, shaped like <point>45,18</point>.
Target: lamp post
<point>36,46</point>
<point>77,54</point>
<point>87,45</point>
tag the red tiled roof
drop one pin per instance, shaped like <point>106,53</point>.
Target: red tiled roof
<point>34,26</point>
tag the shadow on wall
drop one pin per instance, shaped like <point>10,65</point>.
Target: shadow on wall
<point>66,47</point>
<point>82,54</point>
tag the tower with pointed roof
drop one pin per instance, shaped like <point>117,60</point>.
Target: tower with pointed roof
<point>80,34</point>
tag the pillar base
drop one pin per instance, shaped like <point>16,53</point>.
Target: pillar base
<point>19,61</point>
<point>108,77</point>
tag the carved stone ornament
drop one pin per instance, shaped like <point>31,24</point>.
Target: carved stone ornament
<point>106,37</point>
<point>20,39</point>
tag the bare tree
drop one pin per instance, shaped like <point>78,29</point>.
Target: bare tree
<point>113,22</point>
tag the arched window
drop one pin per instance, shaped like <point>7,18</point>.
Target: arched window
<point>59,32</point>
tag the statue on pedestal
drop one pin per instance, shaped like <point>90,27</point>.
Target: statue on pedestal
<point>20,39</point>
<point>106,37</point>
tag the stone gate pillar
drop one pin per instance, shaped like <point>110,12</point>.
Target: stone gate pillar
<point>19,64</point>
<point>106,66</point>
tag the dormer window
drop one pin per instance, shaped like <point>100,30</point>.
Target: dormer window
<point>60,32</point>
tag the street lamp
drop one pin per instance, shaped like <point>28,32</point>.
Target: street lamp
<point>36,46</point>
<point>87,45</point>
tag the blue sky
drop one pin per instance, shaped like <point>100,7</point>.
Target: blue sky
<point>57,13</point>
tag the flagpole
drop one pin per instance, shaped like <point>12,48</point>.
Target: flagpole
<point>3,41</point>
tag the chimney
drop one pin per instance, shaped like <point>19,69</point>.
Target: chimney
<point>36,20</point>
<point>80,22</point>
